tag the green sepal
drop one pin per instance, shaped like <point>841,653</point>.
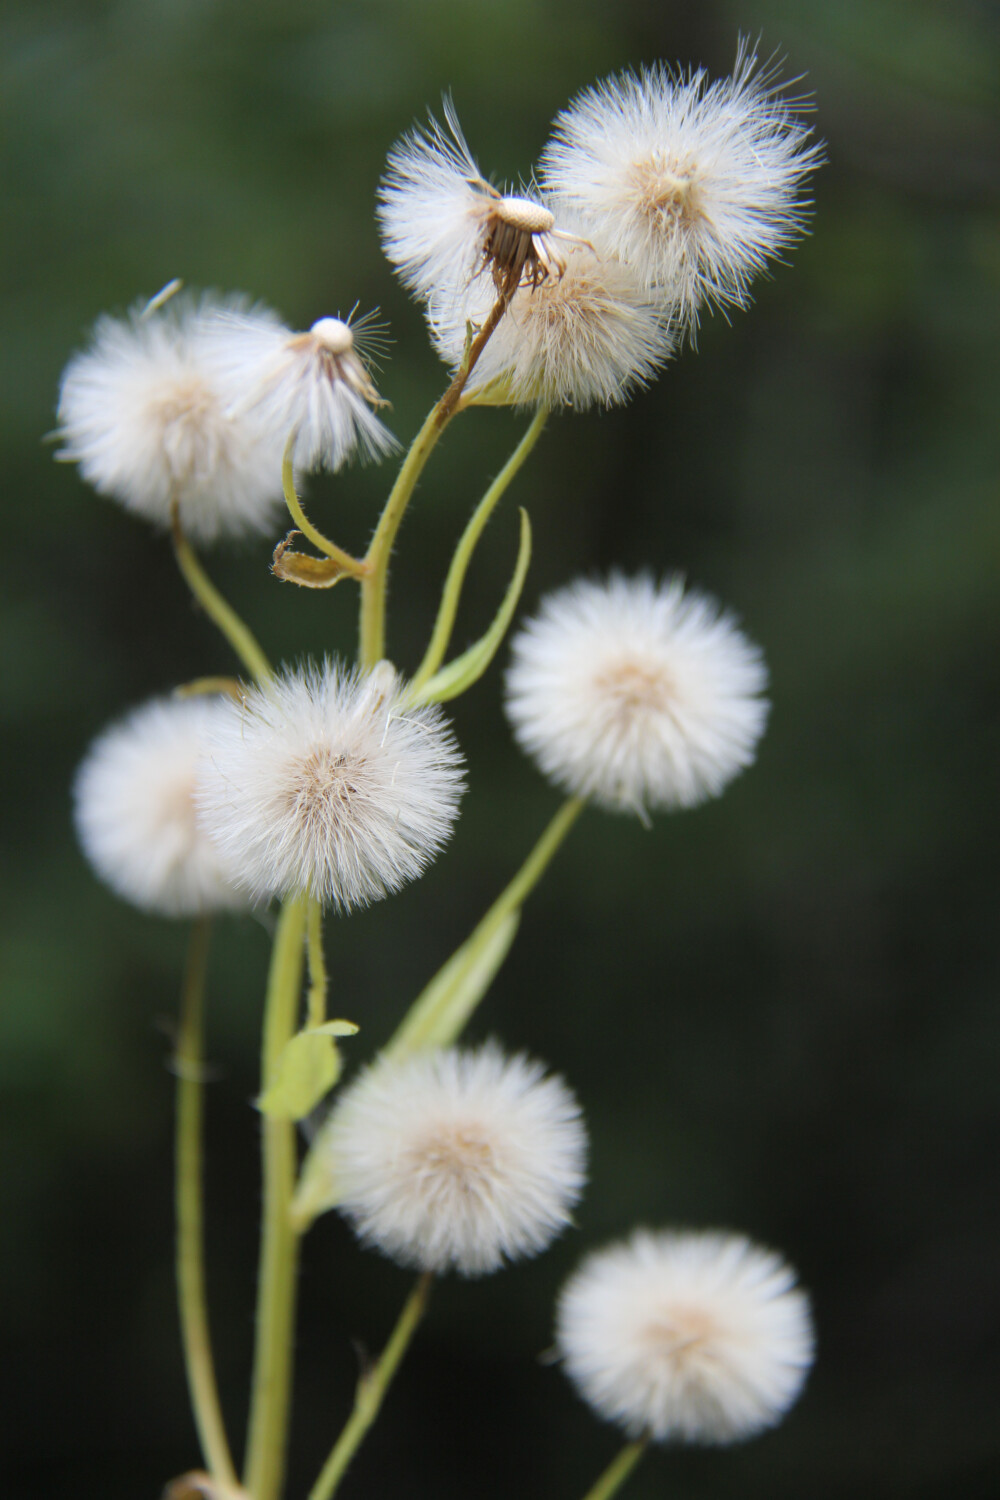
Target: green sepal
<point>459,675</point>
<point>308,1068</point>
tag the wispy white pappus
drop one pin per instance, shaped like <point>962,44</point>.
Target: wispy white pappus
<point>142,412</point>
<point>690,1337</point>
<point>312,388</point>
<point>135,815</point>
<point>636,694</point>
<point>323,782</point>
<point>457,1160</point>
<point>695,184</point>
<point>443,224</point>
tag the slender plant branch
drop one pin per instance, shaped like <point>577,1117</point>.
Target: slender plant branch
<point>371,645</point>
<point>438,1016</point>
<point>219,611</point>
<point>353,566</point>
<point>372,1388</point>
<point>189,1201</point>
<point>316,1003</point>
<point>272,1371</point>
<point>444,624</point>
<point>618,1471</point>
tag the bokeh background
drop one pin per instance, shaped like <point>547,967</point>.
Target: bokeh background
<point>781,1010</point>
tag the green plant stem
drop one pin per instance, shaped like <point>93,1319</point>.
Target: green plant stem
<point>353,566</point>
<point>434,1009</point>
<point>372,1388</point>
<point>618,1471</point>
<point>222,614</point>
<point>445,621</point>
<point>371,630</point>
<point>316,1003</point>
<point>272,1371</point>
<point>188,1198</point>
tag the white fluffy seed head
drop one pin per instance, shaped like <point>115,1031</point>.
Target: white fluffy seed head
<point>458,1160</point>
<point>690,1337</point>
<point>313,388</point>
<point>636,694</point>
<point>443,225</point>
<point>135,814</point>
<point>322,781</point>
<point>587,336</point>
<point>695,184</point>
<point>144,414</point>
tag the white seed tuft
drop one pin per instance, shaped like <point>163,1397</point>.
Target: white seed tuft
<point>457,1160</point>
<point>636,694</point>
<point>695,184</point>
<point>689,1337</point>
<point>143,413</point>
<point>323,782</point>
<point>135,813</point>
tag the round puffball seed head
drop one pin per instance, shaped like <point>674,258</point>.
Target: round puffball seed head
<point>687,1337</point>
<point>145,414</point>
<point>135,813</point>
<point>324,782</point>
<point>457,1160</point>
<point>636,695</point>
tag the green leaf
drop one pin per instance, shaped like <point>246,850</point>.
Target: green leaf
<point>309,1067</point>
<point>435,1019</point>
<point>459,675</point>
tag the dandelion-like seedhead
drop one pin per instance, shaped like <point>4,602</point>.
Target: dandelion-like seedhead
<point>143,413</point>
<point>457,1160</point>
<point>694,1337</point>
<point>587,337</point>
<point>323,781</point>
<point>696,185</point>
<point>636,694</point>
<point>314,388</point>
<point>135,813</point>
<point>443,224</point>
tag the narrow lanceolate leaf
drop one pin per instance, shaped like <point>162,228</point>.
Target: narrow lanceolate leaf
<point>459,675</point>
<point>309,1067</point>
<point>435,1019</point>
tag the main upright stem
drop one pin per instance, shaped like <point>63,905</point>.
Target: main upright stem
<point>272,1372</point>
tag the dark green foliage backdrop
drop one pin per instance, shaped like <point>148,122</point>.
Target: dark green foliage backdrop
<point>780,1011</point>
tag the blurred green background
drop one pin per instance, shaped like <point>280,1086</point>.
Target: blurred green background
<point>781,1010</point>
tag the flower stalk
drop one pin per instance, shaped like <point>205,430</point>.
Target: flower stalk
<point>188,1197</point>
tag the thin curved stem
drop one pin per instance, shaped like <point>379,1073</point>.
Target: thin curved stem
<point>316,1002</point>
<point>371,644</point>
<point>617,1471</point>
<point>372,1388</point>
<point>272,1371</point>
<point>189,1203</point>
<point>445,622</point>
<point>353,566</point>
<point>219,611</point>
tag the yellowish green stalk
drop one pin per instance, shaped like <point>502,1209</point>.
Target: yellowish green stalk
<point>371,642</point>
<point>272,1370</point>
<point>445,621</point>
<point>618,1471</point>
<point>372,1388</point>
<point>353,566</point>
<point>442,1011</point>
<point>221,613</point>
<point>189,1198</point>
<point>316,1003</point>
